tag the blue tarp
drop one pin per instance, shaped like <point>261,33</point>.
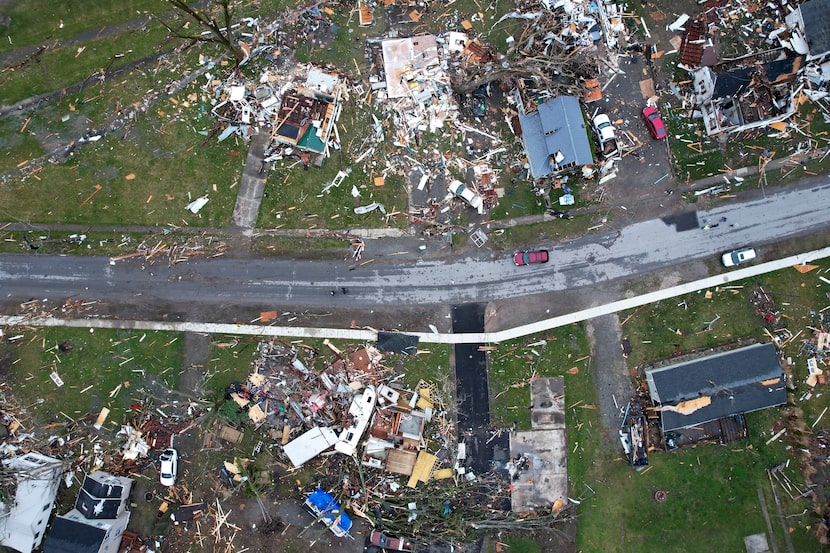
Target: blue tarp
<point>323,503</point>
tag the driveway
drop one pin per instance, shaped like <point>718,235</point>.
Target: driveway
<point>643,176</point>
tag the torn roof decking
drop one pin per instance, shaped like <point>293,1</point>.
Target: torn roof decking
<point>401,461</point>
<point>366,15</point>
<point>402,55</point>
<point>546,478</point>
<point>775,74</point>
<point>308,112</point>
<point>297,114</point>
<point>737,381</point>
<point>556,127</point>
<point>691,49</point>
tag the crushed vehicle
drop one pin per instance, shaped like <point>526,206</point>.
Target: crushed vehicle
<point>461,190</point>
<point>323,506</point>
<point>606,135</point>
<point>389,543</point>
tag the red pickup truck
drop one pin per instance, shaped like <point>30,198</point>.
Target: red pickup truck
<point>389,543</point>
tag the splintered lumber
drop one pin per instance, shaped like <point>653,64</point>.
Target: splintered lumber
<point>97,189</point>
<point>423,468</point>
<point>818,419</point>
<point>776,436</point>
<point>332,347</point>
<point>99,422</point>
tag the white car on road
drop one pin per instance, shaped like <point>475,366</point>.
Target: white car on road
<point>737,257</point>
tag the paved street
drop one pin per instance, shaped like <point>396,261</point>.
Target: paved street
<point>611,254</point>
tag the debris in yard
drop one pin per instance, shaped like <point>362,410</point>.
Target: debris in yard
<point>196,205</point>
<point>764,306</point>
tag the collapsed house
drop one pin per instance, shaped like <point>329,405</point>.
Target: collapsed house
<point>708,397</point>
<point>538,465</point>
<point>757,86</point>
<point>350,408</point>
<point>98,520</point>
<point>23,520</point>
<point>747,97</point>
<point>410,74</point>
<point>299,109</point>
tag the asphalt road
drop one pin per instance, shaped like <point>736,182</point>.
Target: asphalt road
<point>610,254</point>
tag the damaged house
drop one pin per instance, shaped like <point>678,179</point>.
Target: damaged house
<point>308,112</point>
<point>716,388</point>
<point>98,520</point>
<point>811,30</point>
<point>23,520</point>
<point>417,86</point>
<point>555,138</point>
<point>299,110</point>
<point>395,437</point>
<point>747,97</point>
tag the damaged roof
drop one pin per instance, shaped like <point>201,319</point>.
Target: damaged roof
<point>71,536</point>
<point>556,127</point>
<point>816,17</point>
<point>732,83</point>
<point>698,391</point>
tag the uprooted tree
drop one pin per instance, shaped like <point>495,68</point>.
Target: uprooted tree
<point>543,53</point>
<point>212,30</point>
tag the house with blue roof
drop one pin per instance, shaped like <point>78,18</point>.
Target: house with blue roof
<point>555,137</point>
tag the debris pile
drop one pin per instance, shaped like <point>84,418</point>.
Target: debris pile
<point>765,307</point>
<point>352,412</point>
<point>176,250</point>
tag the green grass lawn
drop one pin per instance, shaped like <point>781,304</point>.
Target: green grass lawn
<point>513,364</point>
<point>92,370</point>
<point>539,233</point>
<point>146,179</point>
<point>59,67</point>
<point>658,330</point>
<point>706,484</point>
<point>45,21</point>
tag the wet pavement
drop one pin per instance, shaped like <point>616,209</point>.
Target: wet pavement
<point>473,395</point>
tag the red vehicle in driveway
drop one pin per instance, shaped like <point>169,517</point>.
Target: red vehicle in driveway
<point>530,257</point>
<point>388,542</point>
<point>654,122</point>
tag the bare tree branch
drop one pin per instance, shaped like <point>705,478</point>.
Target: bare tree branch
<point>541,54</point>
<point>221,34</point>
